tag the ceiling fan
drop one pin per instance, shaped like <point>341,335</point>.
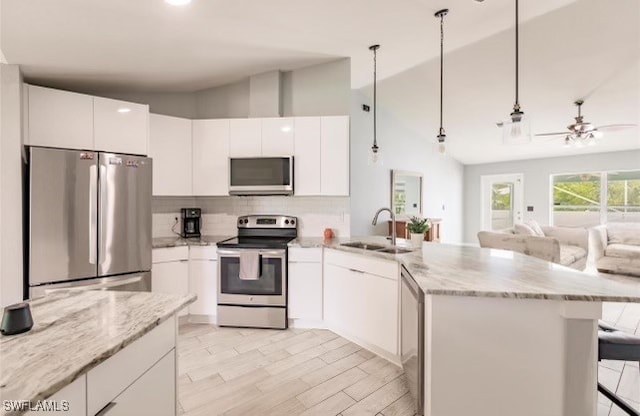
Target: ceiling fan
<point>582,133</point>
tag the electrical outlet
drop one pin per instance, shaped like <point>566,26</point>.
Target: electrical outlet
<point>366,108</point>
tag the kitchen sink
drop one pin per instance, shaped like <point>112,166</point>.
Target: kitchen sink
<point>364,246</point>
<point>394,250</point>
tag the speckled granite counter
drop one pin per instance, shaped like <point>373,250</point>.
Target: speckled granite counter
<point>74,331</point>
<point>205,240</point>
<point>442,269</point>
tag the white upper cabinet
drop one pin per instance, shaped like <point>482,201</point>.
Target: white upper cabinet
<point>170,148</point>
<point>69,120</point>
<point>334,156</point>
<point>211,157</point>
<point>278,136</point>
<point>307,156</point>
<point>59,119</point>
<point>120,126</point>
<point>245,137</point>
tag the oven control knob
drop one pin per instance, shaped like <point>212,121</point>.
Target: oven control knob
<point>240,222</point>
<point>246,221</point>
<point>293,222</point>
<point>286,222</point>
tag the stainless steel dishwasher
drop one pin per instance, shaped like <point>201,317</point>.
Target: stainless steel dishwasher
<point>412,338</point>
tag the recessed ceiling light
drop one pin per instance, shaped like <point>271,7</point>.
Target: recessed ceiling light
<point>124,110</point>
<point>178,2</point>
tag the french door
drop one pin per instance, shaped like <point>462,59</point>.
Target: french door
<point>502,201</point>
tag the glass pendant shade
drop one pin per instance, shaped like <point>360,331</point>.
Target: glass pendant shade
<point>376,157</point>
<point>516,130</point>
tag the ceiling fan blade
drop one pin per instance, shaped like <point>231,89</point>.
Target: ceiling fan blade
<point>616,127</point>
<point>552,134</point>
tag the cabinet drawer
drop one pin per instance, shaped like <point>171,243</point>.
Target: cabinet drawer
<point>76,396</point>
<point>152,394</point>
<point>163,255</point>
<point>305,255</point>
<point>363,263</point>
<point>203,253</point>
<point>112,377</point>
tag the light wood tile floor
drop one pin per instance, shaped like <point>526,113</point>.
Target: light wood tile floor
<point>246,372</point>
<point>230,371</point>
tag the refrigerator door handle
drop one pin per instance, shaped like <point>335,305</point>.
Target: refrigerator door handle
<point>93,213</point>
<point>102,214</point>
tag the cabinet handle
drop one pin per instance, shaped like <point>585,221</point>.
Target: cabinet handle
<point>357,271</point>
<point>183,261</point>
<point>106,409</point>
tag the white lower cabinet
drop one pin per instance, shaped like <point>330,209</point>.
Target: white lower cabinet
<point>361,304</point>
<point>203,281</point>
<point>71,400</point>
<point>151,394</point>
<point>305,291</point>
<point>170,272</point>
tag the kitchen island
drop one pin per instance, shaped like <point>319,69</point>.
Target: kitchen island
<point>93,350</point>
<point>501,333</point>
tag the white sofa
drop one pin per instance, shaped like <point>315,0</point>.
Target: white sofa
<point>562,245</point>
<point>617,248</point>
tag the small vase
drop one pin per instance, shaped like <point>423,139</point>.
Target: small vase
<point>417,239</point>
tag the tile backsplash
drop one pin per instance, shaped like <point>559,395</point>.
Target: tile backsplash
<point>219,214</point>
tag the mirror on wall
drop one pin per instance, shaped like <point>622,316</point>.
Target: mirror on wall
<point>406,193</point>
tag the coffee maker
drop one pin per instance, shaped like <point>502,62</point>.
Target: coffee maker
<point>190,222</point>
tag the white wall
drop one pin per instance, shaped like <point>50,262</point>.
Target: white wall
<point>318,90</point>
<point>226,101</point>
<point>536,182</point>
<point>10,185</point>
<point>405,148</point>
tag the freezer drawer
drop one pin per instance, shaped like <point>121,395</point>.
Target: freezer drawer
<point>134,282</point>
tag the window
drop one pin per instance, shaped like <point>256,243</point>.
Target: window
<point>623,196</point>
<point>592,198</point>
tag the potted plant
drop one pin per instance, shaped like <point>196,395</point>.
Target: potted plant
<point>417,228</point>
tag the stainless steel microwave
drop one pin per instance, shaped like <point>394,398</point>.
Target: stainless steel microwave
<point>261,176</point>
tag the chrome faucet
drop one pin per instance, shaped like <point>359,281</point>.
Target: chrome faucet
<point>393,221</point>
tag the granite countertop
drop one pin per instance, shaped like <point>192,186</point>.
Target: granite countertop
<point>73,332</point>
<point>205,240</point>
<point>443,269</point>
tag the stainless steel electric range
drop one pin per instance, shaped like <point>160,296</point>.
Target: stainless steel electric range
<point>259,300</point>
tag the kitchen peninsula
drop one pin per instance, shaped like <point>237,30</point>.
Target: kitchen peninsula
<point>93,350</point>
<point>510,333</point>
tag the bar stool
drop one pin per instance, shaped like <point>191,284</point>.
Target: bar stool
<point>613,344</point>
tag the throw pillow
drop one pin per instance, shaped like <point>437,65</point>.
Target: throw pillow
<point>523,229</point>
<point>535,227</point>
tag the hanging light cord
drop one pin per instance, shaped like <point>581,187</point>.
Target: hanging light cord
<point>516,107</point>
<point>441,69</point>
<point>441,133</point>
<point>375,99</point>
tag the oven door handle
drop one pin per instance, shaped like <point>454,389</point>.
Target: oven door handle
<point>236,253</point>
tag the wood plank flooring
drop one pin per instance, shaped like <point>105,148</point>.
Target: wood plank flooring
<point>243,372</point>
<point>238,372</point>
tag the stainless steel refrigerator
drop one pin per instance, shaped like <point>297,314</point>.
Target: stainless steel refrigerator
<point>89,221</point>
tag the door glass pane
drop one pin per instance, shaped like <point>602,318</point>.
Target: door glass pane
<point>260,171</point>
<point>269,283</point>
<point>576,200</point>
<point>501,205</point>
<point>623,196</point>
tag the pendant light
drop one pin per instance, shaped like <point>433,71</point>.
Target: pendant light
<point>516,128</point>
<point>440,14</point>
<point>375,157</point>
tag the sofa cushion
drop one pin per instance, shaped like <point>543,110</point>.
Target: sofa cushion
<point>625,251</point>
<point>623,233</point>
<point>523,229</point>
<point>571,254</point>
<point>533,224</point>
